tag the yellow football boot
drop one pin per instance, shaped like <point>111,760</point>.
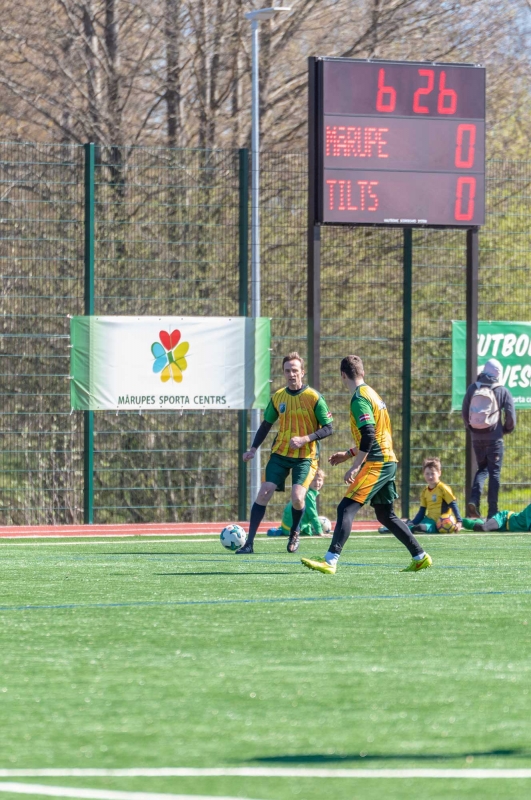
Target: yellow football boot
<point>415,566</point>
<point>320,565</point>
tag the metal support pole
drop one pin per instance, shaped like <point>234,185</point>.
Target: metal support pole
<point>255,232</point>
<point>314,306</point>
<point>472,282</point>
<point>243,310</point>
<point>88,416</point>
<point>406,369</point>
<point>314,241</point>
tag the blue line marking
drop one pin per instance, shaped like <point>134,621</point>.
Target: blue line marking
<point>247,601</point>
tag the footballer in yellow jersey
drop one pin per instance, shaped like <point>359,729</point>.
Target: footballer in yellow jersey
<point>304,419</point>
<point>368,408</point>
<point>372,476</point>
<point>299,412</point>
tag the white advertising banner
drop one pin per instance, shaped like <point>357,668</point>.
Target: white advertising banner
<point>133,363</point>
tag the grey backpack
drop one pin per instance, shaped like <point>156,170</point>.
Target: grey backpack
<point>484,410</point>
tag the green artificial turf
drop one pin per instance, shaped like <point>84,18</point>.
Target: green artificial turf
<point>139,653</point>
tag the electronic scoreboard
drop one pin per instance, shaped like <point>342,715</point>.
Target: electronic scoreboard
<point>398,143</point>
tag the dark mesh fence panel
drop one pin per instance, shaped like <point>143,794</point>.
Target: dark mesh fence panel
<point>41,256</point>
<point>362,315</point>
<point>166,243</point>
<point>439,296</point>
<point>505,294</point>
<point>283,268</point>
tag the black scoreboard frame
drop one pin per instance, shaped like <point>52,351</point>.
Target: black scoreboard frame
<point>316,116</point>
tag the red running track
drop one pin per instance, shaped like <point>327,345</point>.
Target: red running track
<point>165,529</point>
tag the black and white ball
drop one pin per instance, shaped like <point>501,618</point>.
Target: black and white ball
<point>326,525</point>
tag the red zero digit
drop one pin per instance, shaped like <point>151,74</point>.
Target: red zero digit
<point>386,97</point>
<point>445,94</point>
<point>465,196</point>
<point>469,143</point>
<point>417,108</point>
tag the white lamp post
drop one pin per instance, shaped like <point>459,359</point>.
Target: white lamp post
<point>256,17</point>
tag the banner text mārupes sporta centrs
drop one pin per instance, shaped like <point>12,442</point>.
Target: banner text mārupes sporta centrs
<point>134,363</point>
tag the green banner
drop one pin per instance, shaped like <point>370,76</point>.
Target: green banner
<point>510,343</point>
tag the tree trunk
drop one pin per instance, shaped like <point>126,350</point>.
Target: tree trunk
<point>91,52</point>
<point>173,82</point>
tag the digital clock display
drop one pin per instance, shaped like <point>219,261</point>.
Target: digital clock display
<point>400,143</point>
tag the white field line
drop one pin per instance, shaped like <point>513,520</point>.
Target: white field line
<point>144,537</point>
<point>65,541</point>
<point>100,794</point>
<point>7,541</point>
<point>262,772</point>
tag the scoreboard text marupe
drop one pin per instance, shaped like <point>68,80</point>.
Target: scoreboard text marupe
<point>400,143</point>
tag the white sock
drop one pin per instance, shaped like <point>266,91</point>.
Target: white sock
<point>331,558</point>
<point>419,557</point>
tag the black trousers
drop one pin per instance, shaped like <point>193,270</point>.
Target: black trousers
<point>385,514</point>
<point>490,459</point>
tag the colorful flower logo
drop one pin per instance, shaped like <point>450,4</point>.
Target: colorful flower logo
<point>170,358</point>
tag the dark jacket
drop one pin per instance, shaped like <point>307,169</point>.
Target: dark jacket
<point>507,421</point>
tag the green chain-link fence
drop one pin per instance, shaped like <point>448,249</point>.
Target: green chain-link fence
<point>41,256</point>
<point>166,244</point>
<point>168,227</point>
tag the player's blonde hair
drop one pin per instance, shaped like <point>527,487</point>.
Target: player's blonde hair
<point>432,461</point>
<point>293,356</point>
<point>320,473</point>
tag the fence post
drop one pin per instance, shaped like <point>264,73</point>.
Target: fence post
<point>88,416</point>
<point>243,310</point>
<point>472,283</point>
<point>313,290</point>
<point>406,370</point>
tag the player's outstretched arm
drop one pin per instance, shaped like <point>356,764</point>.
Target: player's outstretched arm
<point>368,437</point>
<point>342,455</point>
<point>259,437</point>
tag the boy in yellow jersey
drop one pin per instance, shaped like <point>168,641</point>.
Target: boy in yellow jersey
<point>436,498</point>
<point>372,476</point>
<point>304,419</point>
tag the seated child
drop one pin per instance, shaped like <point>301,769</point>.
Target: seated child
<point>502,521</point>
<point>435,499</point>
<point>309,524</point>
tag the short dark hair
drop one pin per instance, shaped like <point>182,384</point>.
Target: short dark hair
<point>294,356</point>
<point>352,366</point>
<point>432,461</point>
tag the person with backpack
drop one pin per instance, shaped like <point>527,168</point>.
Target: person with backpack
<point>488,413</point>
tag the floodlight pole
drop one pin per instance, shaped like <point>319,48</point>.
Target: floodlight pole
<point>255,17</point>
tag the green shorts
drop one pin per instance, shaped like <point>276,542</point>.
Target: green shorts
<point>279,467</point>
<point>430,526</point>
<point>517,523</point>
<point>374,483</point>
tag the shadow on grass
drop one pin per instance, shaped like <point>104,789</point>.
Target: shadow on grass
<point>156,554</point>
<point>327,758</point>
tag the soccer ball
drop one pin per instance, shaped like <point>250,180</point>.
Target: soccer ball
<point>447,523</point>
<point>326,525</point>
<point>232,537</point>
